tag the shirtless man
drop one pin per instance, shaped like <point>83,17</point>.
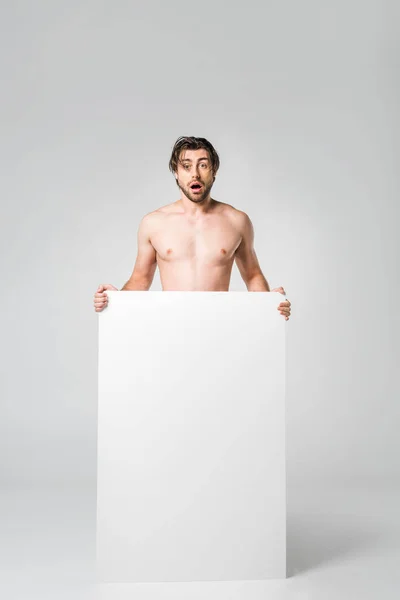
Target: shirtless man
<point>194,240</point>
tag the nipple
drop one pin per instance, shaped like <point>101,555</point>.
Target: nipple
<point>223,251</point>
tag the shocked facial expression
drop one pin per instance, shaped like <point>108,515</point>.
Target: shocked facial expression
<point>195,176</point>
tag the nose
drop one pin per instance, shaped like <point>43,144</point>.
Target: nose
<point>194,171</point>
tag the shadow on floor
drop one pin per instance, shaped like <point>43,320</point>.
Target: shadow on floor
<point>320,539</point>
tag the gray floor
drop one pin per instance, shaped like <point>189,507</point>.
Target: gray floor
<point>342,544</point>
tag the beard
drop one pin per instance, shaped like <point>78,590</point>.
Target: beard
<point>196,198</point>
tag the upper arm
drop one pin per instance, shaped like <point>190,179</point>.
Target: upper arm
<point>245,255</point>
<point>146,262</point>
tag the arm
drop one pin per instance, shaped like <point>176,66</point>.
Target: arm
<point>246,259</point>
<point>146,264</point>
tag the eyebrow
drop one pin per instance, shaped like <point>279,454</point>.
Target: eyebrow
<point>190,160</point>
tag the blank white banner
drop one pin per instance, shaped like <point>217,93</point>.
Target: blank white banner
<point>191,437</point>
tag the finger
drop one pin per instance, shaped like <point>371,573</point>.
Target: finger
<point>104,286</point>
<point>100,302</point>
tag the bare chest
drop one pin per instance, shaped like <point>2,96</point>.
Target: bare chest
<point>211,241</point>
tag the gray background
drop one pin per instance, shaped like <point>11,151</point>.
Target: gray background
<point>300,99</point>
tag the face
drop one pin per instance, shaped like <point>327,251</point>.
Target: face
<point>194,167</point>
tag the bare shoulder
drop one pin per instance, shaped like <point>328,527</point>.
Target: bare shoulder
<point>152,219</point>
<point>238,218</point>
<point>159,213</point>
<point>167,209</point>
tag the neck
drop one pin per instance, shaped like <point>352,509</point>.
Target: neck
<point>195,209</point>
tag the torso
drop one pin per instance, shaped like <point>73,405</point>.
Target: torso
<point>196,253</point>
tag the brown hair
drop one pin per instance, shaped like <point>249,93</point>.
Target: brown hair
<point>193,143</point>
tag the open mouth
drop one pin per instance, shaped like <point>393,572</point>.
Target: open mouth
<point>196,187</point>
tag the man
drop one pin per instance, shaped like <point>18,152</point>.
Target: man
<point>194,240</point>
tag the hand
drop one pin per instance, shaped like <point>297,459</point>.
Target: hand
<point>101,298</point>
<point>284,307</point>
